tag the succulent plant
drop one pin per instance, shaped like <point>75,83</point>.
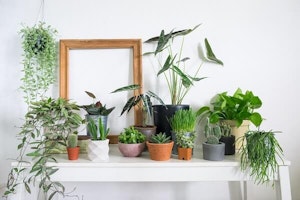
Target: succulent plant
<point>212,133</point>
<point>93,129</point>
<point>72,140</point>
<point>131,136</point>
<point>160,138</point>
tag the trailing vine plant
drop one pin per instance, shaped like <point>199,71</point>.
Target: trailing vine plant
<point>47,123</point>
<point>260,155</point>
<point>39,60</point>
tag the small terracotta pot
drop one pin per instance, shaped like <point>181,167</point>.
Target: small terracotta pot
<point>160,152</point>
<point>73,152</point>
<point>185,153</point>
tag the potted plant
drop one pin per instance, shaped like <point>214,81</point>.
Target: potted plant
<point>73,148</point>
<point>183,124</point>
<point>213,149</point>
<point>96,110</point>
<point>237,110</point>
<point>45,121</point>
<point>39,60</point>
<point>173,66</point>
<point>98,146</point>
<point>259,155</point>
<point>143,101</point>
<point>227,138</point>
<point>160,147</point>
<point>131,142</point>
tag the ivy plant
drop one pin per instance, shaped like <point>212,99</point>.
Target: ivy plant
<point>39,60</point>
<point>47,123</point>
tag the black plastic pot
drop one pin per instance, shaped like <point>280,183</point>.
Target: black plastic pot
<point>229,144</point>
<point>162,114</point>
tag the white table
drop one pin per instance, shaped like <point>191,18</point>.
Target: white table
<point>142,169</point>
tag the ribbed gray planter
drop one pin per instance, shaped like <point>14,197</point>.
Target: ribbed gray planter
<point>214,152</point>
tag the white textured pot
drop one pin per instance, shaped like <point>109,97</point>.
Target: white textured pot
<point>98,150</point>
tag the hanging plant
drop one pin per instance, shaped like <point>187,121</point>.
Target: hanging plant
<point>39,60</point>
<point>47,123</point>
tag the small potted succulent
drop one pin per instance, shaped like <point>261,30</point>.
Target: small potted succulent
<point>183,124</point>
<point>131,142</point>
<point>72,146</point>
<point>213,149</point>
<point>160,147</point>
<point>96,110</point>
<point>98,146</point>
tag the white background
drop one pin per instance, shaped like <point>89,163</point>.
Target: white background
<point>258,42</point>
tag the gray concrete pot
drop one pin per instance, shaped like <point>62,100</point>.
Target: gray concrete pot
<point>214,152</point>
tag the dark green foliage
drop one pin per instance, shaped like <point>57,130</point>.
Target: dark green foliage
<point>96,108</point>
<point>143,100</point>
<point>174,66</point>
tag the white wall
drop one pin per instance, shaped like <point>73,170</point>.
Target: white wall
<point>257,40</point>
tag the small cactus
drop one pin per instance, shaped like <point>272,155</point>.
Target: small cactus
<point>72,140</point>
<point>225,129</point>
<point>212,133</point>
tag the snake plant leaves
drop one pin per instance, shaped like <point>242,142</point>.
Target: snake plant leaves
<point>129,104</point>
<point>210,54</point>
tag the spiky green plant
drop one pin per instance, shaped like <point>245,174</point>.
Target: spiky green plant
<point>160,138</point>
<point>72,140</point>
<point>94,129</point>
<point>183,121</point>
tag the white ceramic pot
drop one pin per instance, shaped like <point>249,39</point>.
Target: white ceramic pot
<point>98,150</point>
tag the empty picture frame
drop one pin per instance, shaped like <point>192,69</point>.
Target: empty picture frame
<point>93,44</point>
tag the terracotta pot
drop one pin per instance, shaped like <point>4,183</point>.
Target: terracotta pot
<point>160,152</point>
<point>131,150</point>
<point>73,152</point>
<point>184,153</point>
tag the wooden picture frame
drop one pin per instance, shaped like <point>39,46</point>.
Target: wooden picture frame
<point>66,45</point>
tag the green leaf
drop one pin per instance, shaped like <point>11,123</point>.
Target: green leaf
<point>209,53</point>
<point>168,63</point>
<point>127,88</point>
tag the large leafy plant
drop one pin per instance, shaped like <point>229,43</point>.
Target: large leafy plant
<point>239,106</point>
<point>39,60</point>
<point>47,120</point>
<point>173,66</point>
<point>142,100</point>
